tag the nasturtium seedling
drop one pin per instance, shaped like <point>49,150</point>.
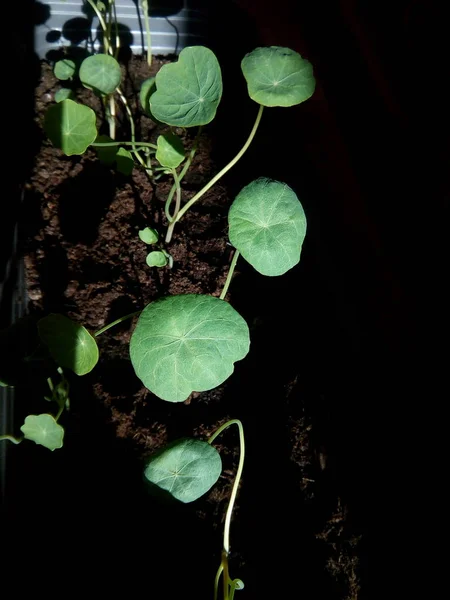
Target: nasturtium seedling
<point>70,126</point>
<point>64,94</point>
<point>156,258</point>
<point>170,150</point>
<point>188,92</point>
<point>186,469</point>
<point>187,343</point>
<point>69,343</point>
<point>43,430</point>
<point>101,73</point>
<point>267,225</point>
<point>148,235</point>
<point>64,69</point>
<point>124,161</point>
<point>278,76</point>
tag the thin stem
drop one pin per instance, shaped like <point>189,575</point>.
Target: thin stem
<point>177,207</point>
<point>220,174</point>
<point>105,144</point>
<point>216,580</point>
<point>59,413</point>
<point>116,27</point>
<point>116,322</point>
<point>148,33</point>
<point>111,115</point>
<point>230,275</point>
<point>11,438</point>
<point>99,17</point>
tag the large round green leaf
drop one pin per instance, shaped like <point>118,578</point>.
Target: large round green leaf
<point>188,91</point>
<point>278,76</point>
<point>70,126</point>
<point>187,343</point>
<point>268,225</point>
<point>44,430</point>
<point>185,469</point>
<point>170,150</point>
<point>100,73</point>
<point>70,344</point>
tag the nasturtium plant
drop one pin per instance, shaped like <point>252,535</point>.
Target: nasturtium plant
<point>267,225</point>
<point>170,150</point>
<point>101,73</point>
<point>188,91</point>
<point>185,469</point>
<point>156,258</point>
<point>43,430</point>
<point>278,76</point>
<point>70,126</point>
<point>64,69</point>
<point>124,161</point>
<point>187,343</point>
<point>69,343</point>
<point>148,235</point>
<point>64,94</point>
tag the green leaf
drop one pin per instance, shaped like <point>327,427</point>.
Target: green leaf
<point>106,154</point>
<point>187,343</point>
<point>188,91</point>
<point>148,88</point>
<point>64,69</point>
<point>70,126</point>
<point>70,344</point>
<point>278,76</point>
<point>157,258</point>
<point>64,94</point>
<point>101,73</point>
<point>124,162</point>
<point>44,430</point>
<point>186,469</point>
<point>148,235</point>
<point>170,150</point>
<point>268,225</point>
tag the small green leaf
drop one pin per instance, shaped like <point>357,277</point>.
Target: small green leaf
<point>124,162</point>
<point>268,225</point>
<point>278,76</point>
<point>148,235</point>
<point>170,150</point>
<point>101,73</point>
<point>64,94</point>
<point>188,92</point>
<point>157,258</point>
<point>70,126</point>
<point>187,343</point>
<point>43,430</point>
<point>148,88</point>
<point>106,154</point>
<point>64,69</point>
<point>186,469</point>
<point>70,344</point>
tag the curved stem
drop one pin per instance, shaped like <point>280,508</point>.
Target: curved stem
<point>177,207</point>
<point>116,322</point>
<point>11,438</point>
<point>220,174</point>
<point>105,144</point>
<point>102,23</point>
<point>230,275</point>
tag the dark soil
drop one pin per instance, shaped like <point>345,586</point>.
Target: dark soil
<point>292,533</point>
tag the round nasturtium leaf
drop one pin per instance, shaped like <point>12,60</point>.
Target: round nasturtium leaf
<point>64,94</point>
<point>187,343</point>
<point>188,91</point>
<point>267,225</point>
<point>69,343</point>
<point>148,88</point>
<point>278,76</point>
<point>156,258</point>
<point>70,126</point>
<point>124,161</point>
<point>148,235</point>
<point>44,430</point>
<point>186,469</point>
<point>64,69</point>
<point>170,150</point>
<point>101,73</point>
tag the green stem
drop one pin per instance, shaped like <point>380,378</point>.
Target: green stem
<point>177,207</point>
<point>116,322</point>
<point>148,33</point>
<point>102,24</point>
<point>116,27</point>
<point>104,144</point>
<point>59,413</point>
<point>230,275</point>
<point>221,173</point>
<point>11,438</point>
